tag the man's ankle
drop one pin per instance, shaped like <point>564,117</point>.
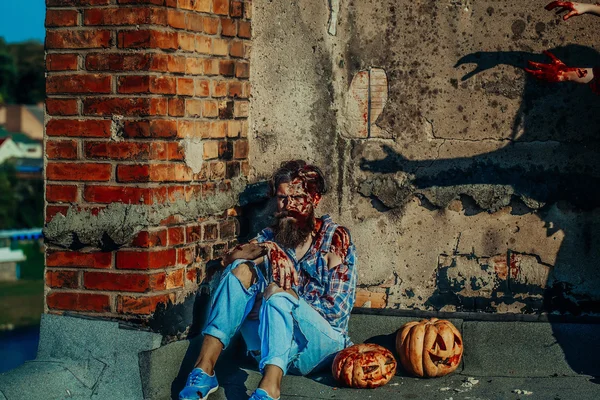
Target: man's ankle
<point>272,391</point>
<point>206,367</point>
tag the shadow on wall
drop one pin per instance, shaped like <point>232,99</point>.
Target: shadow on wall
<point>551,164</point>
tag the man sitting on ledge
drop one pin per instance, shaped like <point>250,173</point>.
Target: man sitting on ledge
<point>293,313</point>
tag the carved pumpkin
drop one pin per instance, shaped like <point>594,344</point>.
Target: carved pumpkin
<point>364,366</point>
<point>429,348</point>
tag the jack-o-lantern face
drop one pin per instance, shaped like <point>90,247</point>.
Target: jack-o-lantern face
<point>429,348</point>
<point>364,366</point>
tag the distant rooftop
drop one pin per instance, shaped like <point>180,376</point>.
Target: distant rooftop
<point>17,137</point>
<point>8,255</point>
<point>21,233</point>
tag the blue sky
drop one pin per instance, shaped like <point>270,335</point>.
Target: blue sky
<point>22,20</point>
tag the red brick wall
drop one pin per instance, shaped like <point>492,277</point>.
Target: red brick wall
<point>128,82</point>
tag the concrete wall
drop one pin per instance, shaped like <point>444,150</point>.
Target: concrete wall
<point>466,184</point>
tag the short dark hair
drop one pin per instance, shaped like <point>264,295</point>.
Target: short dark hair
<point>311,175</point>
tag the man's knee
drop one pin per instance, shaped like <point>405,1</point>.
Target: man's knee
<point>246,274</point>
<point>274,288</point>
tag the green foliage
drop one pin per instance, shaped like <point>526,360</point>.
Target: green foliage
<point>21,200</point>
<point>22,68</point>
<point>33,268</point>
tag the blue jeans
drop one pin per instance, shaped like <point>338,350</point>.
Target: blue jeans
<point>289,333</point>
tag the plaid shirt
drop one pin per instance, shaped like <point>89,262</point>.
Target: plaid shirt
<point>331,290</point>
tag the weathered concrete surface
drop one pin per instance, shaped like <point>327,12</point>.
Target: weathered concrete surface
<point>475,159</point>
<point>119,223</point>
<point>81,359</point>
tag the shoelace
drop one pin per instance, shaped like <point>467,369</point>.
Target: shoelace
<point>196,379</point>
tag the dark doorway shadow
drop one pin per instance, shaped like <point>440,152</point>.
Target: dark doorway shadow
<point>552,160</point>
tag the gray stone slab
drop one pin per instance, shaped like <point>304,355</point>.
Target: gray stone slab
<point>530,349</point>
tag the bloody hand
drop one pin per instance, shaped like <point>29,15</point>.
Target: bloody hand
<point>573,8</point>
<point>284,272</point>
<point>556,71</point>
<point>248,251</point>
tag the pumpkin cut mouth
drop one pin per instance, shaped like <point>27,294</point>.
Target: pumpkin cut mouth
<point>440,355</point>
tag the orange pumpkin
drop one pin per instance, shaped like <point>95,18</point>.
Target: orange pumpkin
<point>364,365</point>
<point>429,348</point>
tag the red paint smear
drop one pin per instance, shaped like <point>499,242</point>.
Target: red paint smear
<point>340,243</point>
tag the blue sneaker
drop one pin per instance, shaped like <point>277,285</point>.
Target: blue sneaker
<point>260,394</point>
<point>199,385</point>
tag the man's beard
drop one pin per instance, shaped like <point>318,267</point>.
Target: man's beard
<point>292,232</point>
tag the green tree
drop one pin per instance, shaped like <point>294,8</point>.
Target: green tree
<point>8,77</point>
<point>8,202</point>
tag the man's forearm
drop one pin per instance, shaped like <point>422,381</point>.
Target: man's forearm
<point>593,9</point>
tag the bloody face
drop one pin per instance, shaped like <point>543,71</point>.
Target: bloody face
<point>295,213</point>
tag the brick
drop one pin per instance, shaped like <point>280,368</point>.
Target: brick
<point>236,9</point>
<point>87,39</point>
<point>210,232</point>
<point>133,173</point>
<point>148,39</point>
<point>134,84</point>
<point>165,151</point>
<point>368,299</point>
<point>163,128</point>
<point>195,23</point>
<point>61,193</point>
<point>228,229</point>
<point>211,67</point>
<point>240,109</point>
<point>218,130</point>
<point>62,107</point>
<point>78,301</point>
<point>61,18</point>
<point>174,279</point>
<point>155,2</point>
<point>136,129</point>
<point>91,83</point>
<point>125,16</point>
<point>242,70</point>
<point>193,233</point>
<point>193,275</point>
<point>234,129</point>
<point>61,149</point>
<point>176,107</point>
<point>210,109</point>
<point>245,167</point>
<point>203,6</point>
<point>176,236</point>
<point>217,170</point>
<point>228,27</point>
<point>219,88</point>
<point>113,194</point>
<point>111,281</point>
<point>202,88</point>
<point>159,106</point>
<point>185,86</point>
<point>163,85</point>
<point>52,211</point>
<point>232,169</point>
<point>117,151</point>
<point>153,238</point>
<point>226,67</point>
<point>73,3</point>
<point>176,19</point>
<point>176,64</point>
<point>140,305</point>
<point>78,128</point>
<point>240,149</point>
<point>62,279</point>
<point>144,260</point>
<point>120,106</point>
<point>194,66</point>
<point>220,7</point>
<point>211,25</point>
<point>170,173</point>
<point>210,150</point>
<point>235,89</point>
<point>78,172</point>
<point>78,259</point>
<point>225,109</point>
<point>193,108</point>
<point>61,62</point>
<point>237,49</point>
<point>220,47</point>
<point>225,150</point>
<point>119,62</point>
<point>203,44</point>
<point>245,29</point>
